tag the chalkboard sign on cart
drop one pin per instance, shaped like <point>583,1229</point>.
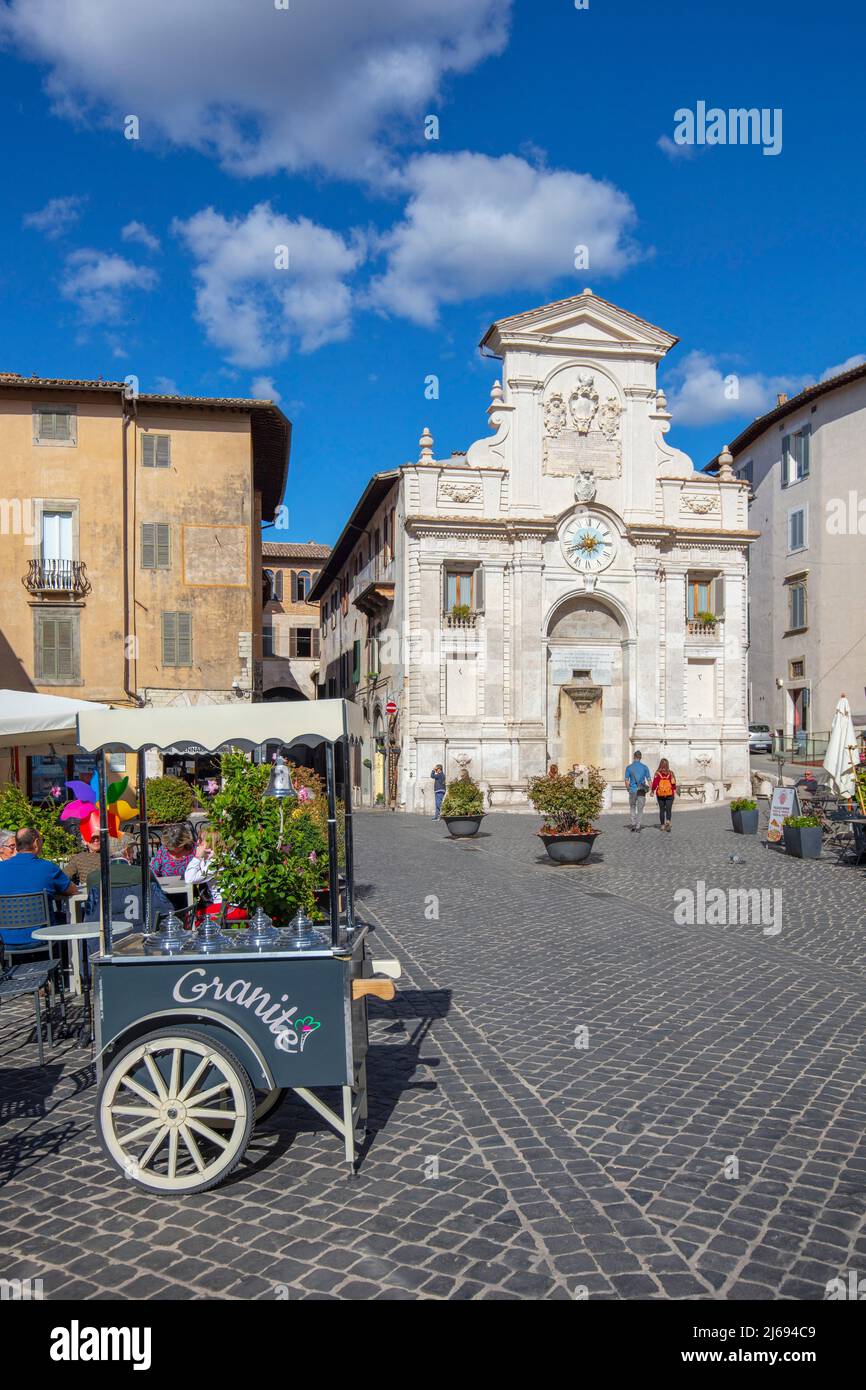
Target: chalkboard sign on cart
<point>200,1033</point>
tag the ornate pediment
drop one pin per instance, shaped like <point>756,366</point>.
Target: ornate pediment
<point>582,319</point>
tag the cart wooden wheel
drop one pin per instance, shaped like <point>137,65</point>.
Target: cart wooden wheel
<point>267,1101</point>
<point>175,1111</point>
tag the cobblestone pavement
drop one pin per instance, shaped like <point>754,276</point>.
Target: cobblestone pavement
<point>706,1141</point>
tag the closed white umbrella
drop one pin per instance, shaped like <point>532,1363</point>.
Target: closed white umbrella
<point>840,750</point>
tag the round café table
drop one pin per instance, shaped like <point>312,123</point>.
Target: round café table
<point>76,932</point>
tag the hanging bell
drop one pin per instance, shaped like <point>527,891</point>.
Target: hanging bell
<point>280,781</point>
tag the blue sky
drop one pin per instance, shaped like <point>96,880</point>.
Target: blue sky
<point>304,127</point>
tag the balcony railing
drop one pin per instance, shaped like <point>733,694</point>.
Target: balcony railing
<point>57,577</point>
<point>709,632</point>
<point>464,621</point>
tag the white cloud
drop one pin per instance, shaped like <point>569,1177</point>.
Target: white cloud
<point>58,215</point>
<point>136,231</point>
<point>850,362</point>
<point>166,386</point>
<point>702,393</point>
<point>674,151</point>
<point>262,388</point>
<point>250,308</point>
<point>476,225</point>
<point>96,282</point>
<point>262,89</point>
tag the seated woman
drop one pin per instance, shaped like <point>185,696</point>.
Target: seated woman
<point>174,854</point>
<point>200,869</point>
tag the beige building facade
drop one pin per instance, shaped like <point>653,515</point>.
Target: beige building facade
<point>290,622</point>
<point>130,541</point>
<point>803,463</point>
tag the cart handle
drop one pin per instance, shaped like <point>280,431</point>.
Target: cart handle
<point>382,989</point>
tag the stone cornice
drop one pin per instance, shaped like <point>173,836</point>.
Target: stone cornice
<point>467,524</point>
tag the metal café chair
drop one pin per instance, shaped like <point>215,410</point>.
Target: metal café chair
<point>20,914</point>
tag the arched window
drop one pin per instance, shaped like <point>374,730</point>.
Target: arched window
<point>304,584</point>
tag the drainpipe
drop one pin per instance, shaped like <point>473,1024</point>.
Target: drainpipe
<point>130,659</point>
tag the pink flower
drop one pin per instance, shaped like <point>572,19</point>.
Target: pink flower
<point>56,793</point>
<point>305,794</point>
<point>314,858</point>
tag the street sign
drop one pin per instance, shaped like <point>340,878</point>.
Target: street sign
<point>785,803</point>
<point>391,707</point>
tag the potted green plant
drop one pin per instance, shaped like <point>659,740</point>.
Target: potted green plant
<point>744,816</point>
<point>708,619</point>
<point>169,800</point>
<point>463,808</point>
<point>569,809</point>
<point>461,612</point>
<point>802,836</point>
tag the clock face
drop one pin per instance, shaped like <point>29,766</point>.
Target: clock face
<point>588,543</point>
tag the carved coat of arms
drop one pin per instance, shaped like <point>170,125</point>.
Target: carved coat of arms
<point>584,440</point>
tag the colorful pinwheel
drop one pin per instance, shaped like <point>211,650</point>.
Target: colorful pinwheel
<point>85,807</point>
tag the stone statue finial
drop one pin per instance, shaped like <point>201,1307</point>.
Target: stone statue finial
<point>726,466</point>
<point>496,394</point>
<point>426,442</point>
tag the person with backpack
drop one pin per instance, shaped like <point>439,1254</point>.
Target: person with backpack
<point>665,788</point>
<point>637,781</point>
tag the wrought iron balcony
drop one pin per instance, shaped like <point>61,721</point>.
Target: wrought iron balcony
<point>57,577</point>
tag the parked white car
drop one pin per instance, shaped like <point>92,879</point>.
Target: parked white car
<point>760,738</point>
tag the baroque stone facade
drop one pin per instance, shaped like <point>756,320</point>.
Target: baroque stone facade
<point>570,588</point>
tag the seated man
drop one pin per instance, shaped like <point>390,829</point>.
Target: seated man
<point>28,872</point>
<point>126,897</point>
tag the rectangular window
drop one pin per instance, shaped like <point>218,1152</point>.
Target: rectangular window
<point>796,456</point>
<point>156,450</point>
<point>55,424</point>
<point>268,648</point>
<point>797,669</point>
<point>463,586</point>
<point>57,648</point>
<point>356,662</point>
<point>177,639</point>
<point>797,529</point>
<point>155,545</point>
<point>797,606</point>
<point>303,642</point>
<point>746,474</point>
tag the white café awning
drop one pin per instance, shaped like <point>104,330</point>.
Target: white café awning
<point>211,727</point>
<point>39,723</point>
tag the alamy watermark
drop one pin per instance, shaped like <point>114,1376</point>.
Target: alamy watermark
<point>729,907</point>
<point>737,126</point>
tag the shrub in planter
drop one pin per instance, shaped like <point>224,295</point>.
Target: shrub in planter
<point>744,816</point>
<point>461,612</point>
<point>568,832</point>
<point>169,800</point>
<point>16,811</point>
<point>802,835</point>
<point>269,853</point>
<point>463,807</point>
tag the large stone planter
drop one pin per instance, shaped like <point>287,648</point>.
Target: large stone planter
<point>745,822</point>
<point>803,841</point>
<point>569,849</point>
<point>461,827</point>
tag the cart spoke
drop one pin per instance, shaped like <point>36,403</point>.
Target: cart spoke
<point>142,1130</point>
<point>140,1090</point>
<point>132,1110</point>
<point>155,1077</point>
<point>206,1095</point>
<point>174,1082</point>
<point>152,1148</point>
<point>172,1152</point>
<point>193,1148</point>
<point>199,1114</point>
<point>193,1080</point>
<point>206,1132</point>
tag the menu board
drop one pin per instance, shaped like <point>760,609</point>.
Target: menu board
<point>785,803</point>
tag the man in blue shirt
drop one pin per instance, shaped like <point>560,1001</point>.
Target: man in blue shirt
<point>637,779</point>
<point>26,872</point>
<point>438,789</point>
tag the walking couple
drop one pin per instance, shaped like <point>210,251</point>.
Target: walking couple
<point>639,780</point>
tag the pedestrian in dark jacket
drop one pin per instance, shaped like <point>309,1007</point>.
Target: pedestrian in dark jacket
<point>438,789</point>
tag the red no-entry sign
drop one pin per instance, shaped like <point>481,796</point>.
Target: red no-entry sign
<point>391,707</point>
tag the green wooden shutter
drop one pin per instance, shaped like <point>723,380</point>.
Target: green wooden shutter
<point>163,545</point>
<point>719,596</point>
<point>148,450</point>
<point>148,545</point>
<point>163,451</point>
<point>356,663</point>
<point>47,663</point>
<point>169,639</point>
<point>65,649</point>
<point>62,423</point>
<point>184,639</point>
